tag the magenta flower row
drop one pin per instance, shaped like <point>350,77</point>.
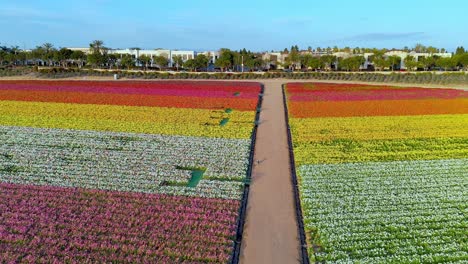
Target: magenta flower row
<point>51,224</point>
<point>186,91</point>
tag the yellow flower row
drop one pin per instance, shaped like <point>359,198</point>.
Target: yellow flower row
<point>151,120</point>
<point>378,127</point>
<point>348,150</point>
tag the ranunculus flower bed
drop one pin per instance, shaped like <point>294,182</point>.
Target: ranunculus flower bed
<point>50,224</point>
<point>387,212</point>
<point>123,172</point>
<point>205,95</point>
<point>123,161</point>
<point>382,172</point>
<point>115,118</point>
<point>240,104</point>
<point>135,86</point>
<point>333,92</point>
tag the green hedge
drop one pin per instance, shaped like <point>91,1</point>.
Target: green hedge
<point>16,71</point>
<point>420,77</point>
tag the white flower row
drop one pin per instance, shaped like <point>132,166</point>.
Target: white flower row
<point>370,212</point>
<point>122,161</point>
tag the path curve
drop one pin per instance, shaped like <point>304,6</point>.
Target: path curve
<point>270,231</point>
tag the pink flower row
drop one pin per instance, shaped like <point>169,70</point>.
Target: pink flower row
<point>378,94</point>
<point>190,92</point>
<point>52,224</point>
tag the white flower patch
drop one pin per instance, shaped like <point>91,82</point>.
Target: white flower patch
<point>402,211</point>
<point>123,161</point>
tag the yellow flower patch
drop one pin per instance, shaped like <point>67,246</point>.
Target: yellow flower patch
<point>150,120</point>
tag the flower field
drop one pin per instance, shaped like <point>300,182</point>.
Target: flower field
<point>382,172</point>
<point>148,172</point>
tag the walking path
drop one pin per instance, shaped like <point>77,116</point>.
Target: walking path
<point>270,231</point>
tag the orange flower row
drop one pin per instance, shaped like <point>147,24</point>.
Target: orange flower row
<point>243,104</point>
<point>378,108</point>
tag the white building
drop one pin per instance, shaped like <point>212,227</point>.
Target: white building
<point>167,53</point>
<point>275,59</point>
<point>184,54</point>
<point>136,53</point>
<point>403,55</point>
<point>84,50</point>
<point>212,55</point>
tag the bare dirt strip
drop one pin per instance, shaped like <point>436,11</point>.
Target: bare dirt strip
<point>270,231</point>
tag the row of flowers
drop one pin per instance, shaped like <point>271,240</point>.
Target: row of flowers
<point>307,109</point>
<point>49,224</point>
<point>149,120</point>
<point>308,87</point>
<point>379,138</point>
<point>379,127</point>
<point>137,85</point>
<point>193,91</point>
<point>406,208</point>
<point>240,104</point>
<point>327,92</point>
<point>348,150</point>
<point>123,161</point>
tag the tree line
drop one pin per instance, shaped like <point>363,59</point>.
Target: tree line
<point>231,60</point>
<point>306,60</point>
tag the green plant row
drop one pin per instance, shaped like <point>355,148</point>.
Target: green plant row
<point>420,77</point>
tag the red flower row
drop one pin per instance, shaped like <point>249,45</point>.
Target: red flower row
<point>242,104</point>
<point>377,94</point>
<point>346,100</point>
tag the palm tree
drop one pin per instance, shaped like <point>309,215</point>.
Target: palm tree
<point>14,50</point>
<point>96,46</point>
<point>48,49</point>
<point>98,54</point>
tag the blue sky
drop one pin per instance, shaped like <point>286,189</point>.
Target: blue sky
<point>254,24</point>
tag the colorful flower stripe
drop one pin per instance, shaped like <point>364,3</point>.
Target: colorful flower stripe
<point>123,161</point>
<point>379,127</point>
<point>296,88</point>
<point>349,150</point>
<point>150,120</point>
<point>378,108</point>
<point>56,225</point>
<point>387,212</point>
<point>241,104</point>
<point>378,94</point>
<point>141,91</point>
<point>202,86</point>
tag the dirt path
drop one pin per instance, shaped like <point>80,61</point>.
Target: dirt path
<point>270,232</point>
